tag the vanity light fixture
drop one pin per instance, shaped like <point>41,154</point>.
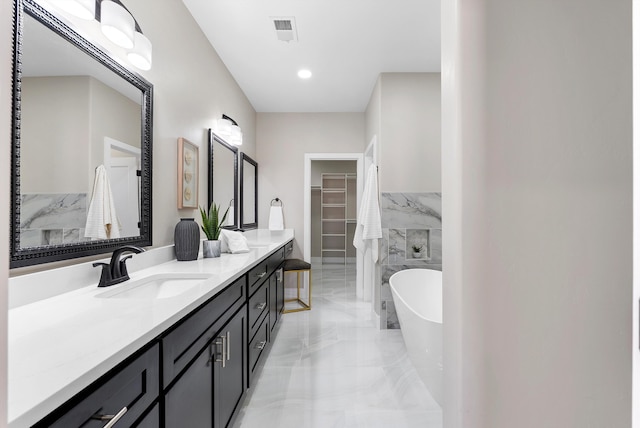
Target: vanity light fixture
<point>117,23</point>
<point>83,9</point>
<point>229,130</point>
<point>140,55</point>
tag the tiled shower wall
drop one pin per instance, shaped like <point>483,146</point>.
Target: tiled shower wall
<point>52,218</point>
<point>408,219</point>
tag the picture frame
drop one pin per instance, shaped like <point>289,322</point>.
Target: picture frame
<point>188,162</point>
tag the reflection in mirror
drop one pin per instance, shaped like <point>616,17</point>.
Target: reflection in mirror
<point>82,146</point>
<point>248,192</point>
<point>223,177</point>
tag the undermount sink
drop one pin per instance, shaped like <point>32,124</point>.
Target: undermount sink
<point>158,286</point>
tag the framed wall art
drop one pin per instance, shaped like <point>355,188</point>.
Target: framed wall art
<point>188,162</point>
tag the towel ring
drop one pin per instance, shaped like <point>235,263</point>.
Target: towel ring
<point>276,201</point>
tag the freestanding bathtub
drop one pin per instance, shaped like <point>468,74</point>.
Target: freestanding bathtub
<point>417,294</point>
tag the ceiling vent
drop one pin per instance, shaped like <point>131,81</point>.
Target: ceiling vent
<point>285,27</point>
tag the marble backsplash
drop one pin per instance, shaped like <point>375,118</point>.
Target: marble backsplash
<point>408,219</point>
<point>52,218</point>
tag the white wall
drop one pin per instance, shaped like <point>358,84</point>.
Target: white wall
<point>192,89</point>
<point>60,104</point>
<point>410,132</point>
<point>64,122</point>
<point>6,49</point>
<point>537,180</point>
<point>283,139</point>
<point>636,210</point>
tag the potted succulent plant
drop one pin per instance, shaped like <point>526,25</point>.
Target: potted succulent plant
<point>417,250</point>
<point>211,226</point>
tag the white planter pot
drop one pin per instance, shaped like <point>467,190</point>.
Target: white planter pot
<point>210,249</point>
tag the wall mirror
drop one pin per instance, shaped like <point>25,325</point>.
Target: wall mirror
<point>223,177</point>
<point>248,192</point>
<point>80,119</point>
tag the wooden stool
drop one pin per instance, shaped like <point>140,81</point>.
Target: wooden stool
<point>298,266</point>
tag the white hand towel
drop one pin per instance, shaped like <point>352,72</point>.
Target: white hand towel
<point>102,219</point>
<point>236,242</point>
<point>276,219</point>
<point>369,225</point>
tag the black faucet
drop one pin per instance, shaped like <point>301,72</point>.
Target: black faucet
<point>116,271</point>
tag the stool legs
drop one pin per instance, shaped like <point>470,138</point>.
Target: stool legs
<point>304,306</point>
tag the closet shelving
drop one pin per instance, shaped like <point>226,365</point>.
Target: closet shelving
<point>337,215</point>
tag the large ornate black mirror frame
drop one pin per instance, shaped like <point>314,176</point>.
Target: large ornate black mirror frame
<point>36,255</point>
<point>251,211</point>
<point>214,141</point>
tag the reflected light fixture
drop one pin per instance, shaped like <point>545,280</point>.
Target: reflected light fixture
<point>83,9</point>
<point>117,23</point>
<point>229,130</point>
<point>140,55</point>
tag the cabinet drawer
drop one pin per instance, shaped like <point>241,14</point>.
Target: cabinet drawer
<point>183,343</point>
<point>256,276</point>
<point>258,306</point>
<point>288,249</point>
<point>275,260</point>
<point>135,386</point>
<point>257,347</point>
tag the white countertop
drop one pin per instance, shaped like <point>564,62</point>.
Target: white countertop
<point>59,345</point>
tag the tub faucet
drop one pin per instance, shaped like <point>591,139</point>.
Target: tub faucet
<point>115,271</point>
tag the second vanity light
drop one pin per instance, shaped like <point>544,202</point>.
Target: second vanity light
<point>229,130</point>
<point>116,23</point>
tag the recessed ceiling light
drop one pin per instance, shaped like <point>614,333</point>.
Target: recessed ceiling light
<point>304,74</point>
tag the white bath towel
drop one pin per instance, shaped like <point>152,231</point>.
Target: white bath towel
<point>276,219</point>
<point>369,225</point>
<point>102,219</point>
<point>233,242</point>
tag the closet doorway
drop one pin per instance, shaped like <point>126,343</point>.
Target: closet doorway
<point>333,184</point>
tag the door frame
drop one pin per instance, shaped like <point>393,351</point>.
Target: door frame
<point>308,157</point>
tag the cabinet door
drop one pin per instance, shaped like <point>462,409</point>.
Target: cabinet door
<point>230,381</point>
<point>279,274</point>
<point>151,420</point>
<point>189,401</point>
<point>273,301</point>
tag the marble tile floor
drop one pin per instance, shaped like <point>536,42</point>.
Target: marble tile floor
<point>331,367</point>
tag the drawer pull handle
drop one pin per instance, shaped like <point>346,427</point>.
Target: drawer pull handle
<point>261,345</point>
<point>113,419</point>
<point>261,306</point>
<point>261,274</point>
<point>228,345</point>
<point>222,341</point>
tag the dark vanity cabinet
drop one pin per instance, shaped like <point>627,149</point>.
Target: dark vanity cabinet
<point>196,373</point>
<point>123,395</point>
<point>266,303</point>
<point>204,360</point>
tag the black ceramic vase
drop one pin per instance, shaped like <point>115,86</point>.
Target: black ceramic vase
<point>187,239</point>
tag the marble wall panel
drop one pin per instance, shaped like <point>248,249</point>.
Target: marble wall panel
<point>411,210</point>
<point>407,219</point>
<point>52,219</point>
